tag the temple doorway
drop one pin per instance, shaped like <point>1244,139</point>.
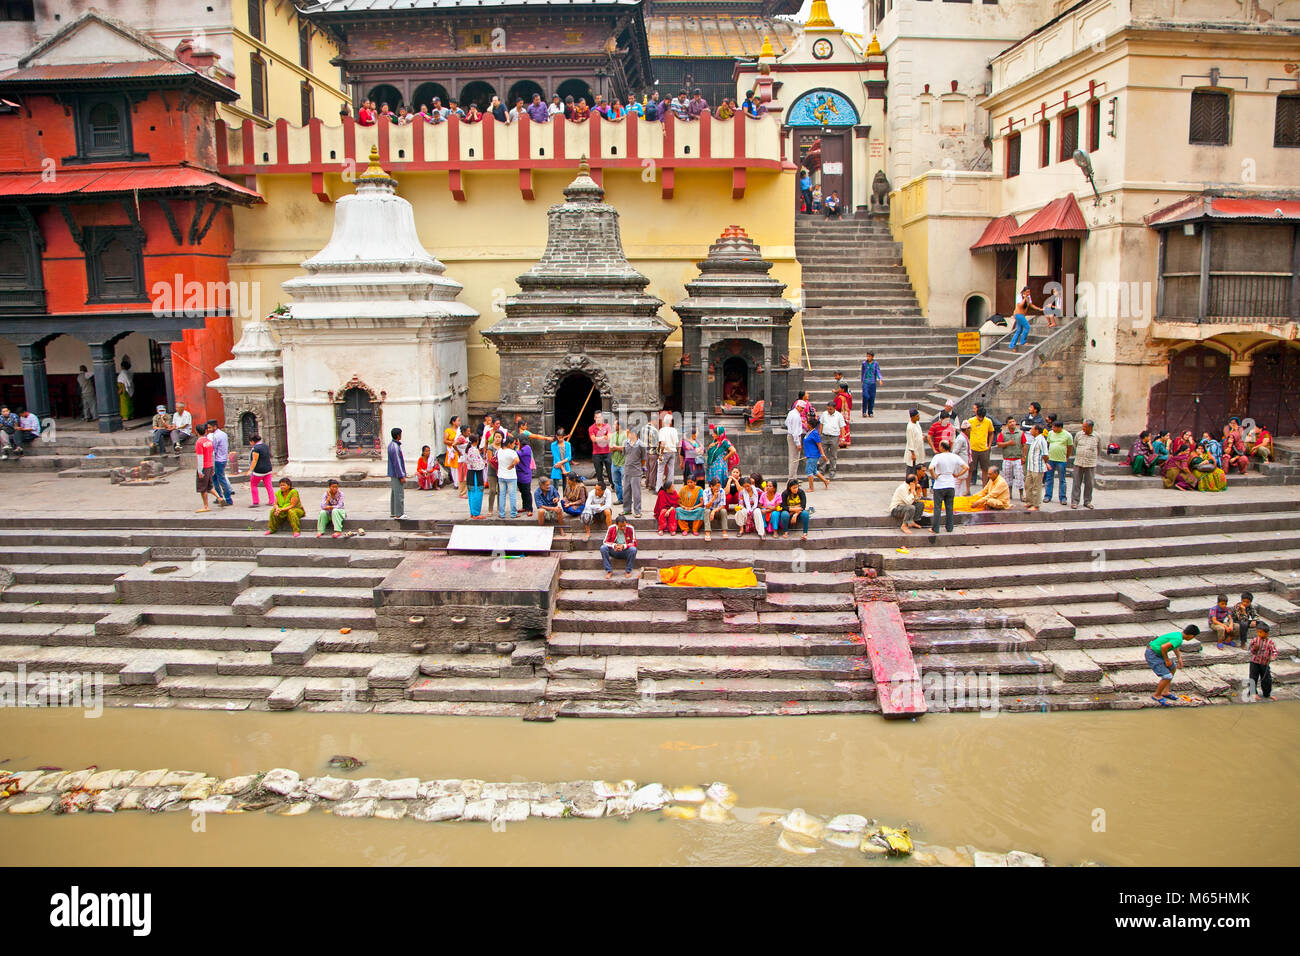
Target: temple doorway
<point>576,402</point>
<point>735,381</point>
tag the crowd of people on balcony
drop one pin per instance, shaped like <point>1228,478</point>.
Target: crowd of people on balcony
<point>685,107</point>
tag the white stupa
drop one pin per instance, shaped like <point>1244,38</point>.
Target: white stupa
<point>374,339</point>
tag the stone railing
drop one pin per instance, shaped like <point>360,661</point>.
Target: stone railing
<point>740,144</point>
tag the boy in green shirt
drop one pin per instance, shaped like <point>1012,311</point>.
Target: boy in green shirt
<point>618,457</point>
<point>1157,655</point>
<point>1059,444</point>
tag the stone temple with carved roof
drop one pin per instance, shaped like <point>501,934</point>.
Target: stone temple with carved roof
<point>582,335</point>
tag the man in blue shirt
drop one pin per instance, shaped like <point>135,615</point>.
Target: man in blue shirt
<point>812,452</point>
<point>220,458</point>
<point>805,181</point>
<point>396,476</point>
<point>871,377</point>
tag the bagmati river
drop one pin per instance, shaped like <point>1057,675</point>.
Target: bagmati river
<point>1207,786</point>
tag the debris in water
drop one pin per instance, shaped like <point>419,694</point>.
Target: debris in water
<point>688,794</point>
<point>805,824</point>
<point>344,762</point>
<point>896,841</point>
<point>796,843</point>
<point>711,812</point>
<point>675,812</point>
<point>722,795</point>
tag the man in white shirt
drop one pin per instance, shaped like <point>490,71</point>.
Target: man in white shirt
<point>832,423</point>
<point>182,427</point>
<point>600,502</point>
<point>29,429</point>
<point>793,440</point>
<point>507,477</point>
<point>669,443</point>
<point>914,451</point>
<point>945,469</point>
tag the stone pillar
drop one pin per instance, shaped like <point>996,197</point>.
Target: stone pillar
<point>105,362</point>
<point>165,350</point>
<point>36,386</point>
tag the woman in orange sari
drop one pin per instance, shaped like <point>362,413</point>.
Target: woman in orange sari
<point>451,456</point>
<point>424,477</point>
<point>843,402</point>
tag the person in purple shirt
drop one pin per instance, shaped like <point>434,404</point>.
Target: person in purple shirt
<point>697,105</point>
<point>396,476</point>
<point>220,458</point>
<point>537,110</point>
<point>524,472</point>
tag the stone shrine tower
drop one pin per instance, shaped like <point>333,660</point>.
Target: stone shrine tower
<point>582,335</point>
<point>736,346</point>
<point>251,385</point>
<point>373,340</point>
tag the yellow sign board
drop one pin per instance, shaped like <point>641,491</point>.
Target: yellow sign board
<point>968,343</point>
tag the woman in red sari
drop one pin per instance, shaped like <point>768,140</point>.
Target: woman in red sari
<point>844,405</point>
<point>666,509</point>
<point>424,471</point>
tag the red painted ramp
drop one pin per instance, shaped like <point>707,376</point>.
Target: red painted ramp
<point>898,684</point>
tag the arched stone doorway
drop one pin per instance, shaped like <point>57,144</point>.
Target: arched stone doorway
<point>822,121</point>
<point>977,311</point>
<point>524,90</point>
<point>576,402</point>
<point>424,94</point>
<point>576,89</point>
<point>478,93</point>
<point>385,93</point>
<point>1275,388</point>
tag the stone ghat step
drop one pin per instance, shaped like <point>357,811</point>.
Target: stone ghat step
<point>777,582</point>
<point>317,576</point>
<point>102,574</point>
<point>59,593</point>
<point>832,561</point>
<point>625,600</point>
<point>958,598</point>
<point>1140,568</point>
<point>971,640</point>
<point>1193,539</point>
<point>185,537</point>
<point>754,689</point>
<point>330,557</point>
<point>673,644</point>
<point>669,667</point>
<point>660,621</point>
<point>32,555</point>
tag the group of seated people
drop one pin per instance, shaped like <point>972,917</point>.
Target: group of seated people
<point>683,107</point>
<point>755,505</point>
<point>1185,463</point>
<point>17,431</point>
<point>287,510</point>
<point>175,429</point>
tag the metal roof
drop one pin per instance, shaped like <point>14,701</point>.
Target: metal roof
<point>682,35</point>
<point>1059,219</point>
<point>72,73</point>
<point>70,182</point>
<point>997,235</point>
<point>1195,208</point>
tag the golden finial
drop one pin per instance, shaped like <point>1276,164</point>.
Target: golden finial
<point>873,48</point>
<point>374,170</point>
<point>819,16</point>
<point>767,47</point>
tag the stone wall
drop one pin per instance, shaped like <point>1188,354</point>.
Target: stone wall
<point>1056,381</point>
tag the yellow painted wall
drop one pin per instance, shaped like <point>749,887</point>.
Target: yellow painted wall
<point>495,235</point>
<point>284,72</point>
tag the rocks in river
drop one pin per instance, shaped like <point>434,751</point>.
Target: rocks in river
<point>283,792</point>
<point>280,781</point>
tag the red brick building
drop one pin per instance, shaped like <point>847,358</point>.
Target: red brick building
<point>115,229</point>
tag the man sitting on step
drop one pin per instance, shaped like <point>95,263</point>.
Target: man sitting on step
<point>620,541</point>
<point>832,205</point>
<point>996,494</point>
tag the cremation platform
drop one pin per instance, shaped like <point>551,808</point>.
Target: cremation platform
<point>441,600</point>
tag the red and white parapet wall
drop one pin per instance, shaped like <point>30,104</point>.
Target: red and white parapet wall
<point>740,143</point>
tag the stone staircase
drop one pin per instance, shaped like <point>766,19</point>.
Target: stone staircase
<point>967,381</point>
<point>857,296</point>
<point>1054,608</point>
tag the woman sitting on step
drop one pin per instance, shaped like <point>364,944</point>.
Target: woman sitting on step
<point>286,510</point>
<point>691,511</point>
<point>795,504</point>
<point>666,508</point>
<point>331,510</point>
<point>769,503</point>
<point>1209,476</point>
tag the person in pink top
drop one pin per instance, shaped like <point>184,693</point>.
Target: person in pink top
<point>204,466</point>
<point>600,433</point>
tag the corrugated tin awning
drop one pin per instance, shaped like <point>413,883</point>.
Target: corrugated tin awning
<point>1197,208</point>
<point>721,37</point>
<point>997,235</point>
<point>69,183</point>
<point>1059,219</point>
<point>167,72</point>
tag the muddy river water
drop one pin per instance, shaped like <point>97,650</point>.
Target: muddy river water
<point>1116,788</point>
